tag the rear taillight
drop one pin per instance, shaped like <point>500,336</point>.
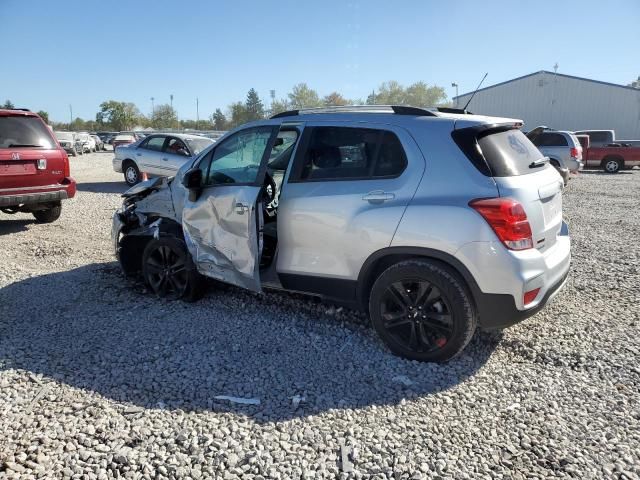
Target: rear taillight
<point>574,152</point>
<point>508,219</point>
<point>530,296</point>
<point>65,160</point>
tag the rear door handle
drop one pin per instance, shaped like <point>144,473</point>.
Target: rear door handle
<point>378,196</point>
<point>241,208</point>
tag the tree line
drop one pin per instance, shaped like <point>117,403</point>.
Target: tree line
<point>119,116</point>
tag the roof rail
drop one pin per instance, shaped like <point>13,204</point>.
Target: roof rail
<point>397,109</point>
<point>453,110</point>
<point>19,109</point>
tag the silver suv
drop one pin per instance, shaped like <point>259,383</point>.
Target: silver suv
<point>563,149</point>
<point>433,222</point>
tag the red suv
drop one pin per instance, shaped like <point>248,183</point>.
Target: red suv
<point>34,169</point>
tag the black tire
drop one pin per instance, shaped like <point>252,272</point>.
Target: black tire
<point>49,215</point>
<point>612,165</point>
<point>131,173</point>
<point>437,319</point>
<point>169,271</point>
<point>74,153</point>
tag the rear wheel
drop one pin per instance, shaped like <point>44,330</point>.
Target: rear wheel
<point>422,311</point>
<point>169,271</point>
<point>131,173</point>
<point>612,165</point>
<point>48,215</point>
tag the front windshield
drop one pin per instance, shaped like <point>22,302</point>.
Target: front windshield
<point>198,144</point>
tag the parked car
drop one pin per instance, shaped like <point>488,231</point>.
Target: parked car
<point>68,142</point>
<point>122,139</point>
<point>393,210</point>
<point>562,148</point>
<point>159,154</point>
<point>98,141</point>
<point>603,138</point>
<point>34,169</point>
<point>611,158</point>
<point>85,142</point>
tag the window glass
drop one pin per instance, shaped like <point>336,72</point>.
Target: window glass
<point>549,139</point>
<point>154,143</point>
<point>24,131</point>
<point>509,153</point>
<point>198,144</point>
<point>599,137</point>
<point>237,159</point>
<point>391,159</point>
<point>177,147</point>
<point>339,152</point>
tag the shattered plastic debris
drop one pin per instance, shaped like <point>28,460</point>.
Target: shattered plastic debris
<point>243,401</point>
<point>403,379</point>
<point>347,465</point>
<point>296,400</point>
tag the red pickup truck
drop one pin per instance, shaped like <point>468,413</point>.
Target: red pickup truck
<point>34,169</point>
<point>610,158</point>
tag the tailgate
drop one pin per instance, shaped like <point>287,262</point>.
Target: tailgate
<point>19,167</point>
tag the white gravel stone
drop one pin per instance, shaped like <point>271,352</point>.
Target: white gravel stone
<point>102,380</point>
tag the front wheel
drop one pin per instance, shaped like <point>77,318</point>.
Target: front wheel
<point>169,271</point>
<point>131,174</point>
<point>422,311</point>
<point>49,215</point>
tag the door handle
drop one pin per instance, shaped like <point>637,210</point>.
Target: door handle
<point>378,196</point>
<point>241,208</point>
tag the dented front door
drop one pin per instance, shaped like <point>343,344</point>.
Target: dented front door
<point>221,226</point>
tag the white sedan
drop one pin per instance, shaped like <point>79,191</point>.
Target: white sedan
<point>159,154</point>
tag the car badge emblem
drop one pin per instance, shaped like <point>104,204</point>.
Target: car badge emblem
<point>15,156</point>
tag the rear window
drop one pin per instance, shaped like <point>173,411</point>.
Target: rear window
<point>23,131</point>
<point>550,139</point>
<point>509,153</point>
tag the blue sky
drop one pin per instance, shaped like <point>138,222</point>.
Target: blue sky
<point>79,52</point>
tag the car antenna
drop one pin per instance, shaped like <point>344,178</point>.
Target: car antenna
<point>474,92</point>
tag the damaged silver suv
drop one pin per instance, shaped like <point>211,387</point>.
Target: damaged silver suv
<point>432,221</point>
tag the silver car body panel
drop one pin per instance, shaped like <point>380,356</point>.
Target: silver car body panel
<point>328,228</point>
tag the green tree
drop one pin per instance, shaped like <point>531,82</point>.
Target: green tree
<point>302,96</point>
<point>219,120</point>
<point>253,106</point>
<point>164,116</point>
<point>118,115</point>
<point>8,104</point>
<point>418,94</point>
<point>334,98</point>
<point>238,114</point>
<point>279,106</point>
<point>45,116</point>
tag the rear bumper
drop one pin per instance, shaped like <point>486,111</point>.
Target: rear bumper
<point>11,197</point>
<point>117,164</point>
<point>503,276</point>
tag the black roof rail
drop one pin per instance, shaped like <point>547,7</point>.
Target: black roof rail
<point>396,109</point>
<point>20,109</point>
<point>453,110</point>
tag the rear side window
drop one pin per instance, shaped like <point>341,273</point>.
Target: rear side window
<point>599,137</point>
<point>336,153</point>
<point>550,139</point>
<point>154,143</point>
<point>509,153</point>
<point>23,131</point>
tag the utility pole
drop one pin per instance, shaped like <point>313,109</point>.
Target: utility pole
<point>197,114</point>
<point>171,100</point>
<point>454,84</point>
<point>70,115</point>
<point>153,108</point>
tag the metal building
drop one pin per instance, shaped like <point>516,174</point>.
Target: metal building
<point>562,102</point>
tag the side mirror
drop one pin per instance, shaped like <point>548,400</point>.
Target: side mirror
<point>192,179</point>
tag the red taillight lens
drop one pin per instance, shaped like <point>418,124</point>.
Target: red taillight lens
<point>530,296</point>
<point>574,152</point>
<point>508,219</point>
<point>67,168</point>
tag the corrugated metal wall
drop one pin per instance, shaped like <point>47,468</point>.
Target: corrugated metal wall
<point>563,103</point>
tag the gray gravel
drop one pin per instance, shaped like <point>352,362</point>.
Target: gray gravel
<point>98,378</point>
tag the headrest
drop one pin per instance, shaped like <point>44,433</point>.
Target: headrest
<point>326,157</point>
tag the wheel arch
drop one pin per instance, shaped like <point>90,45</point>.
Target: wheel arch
<point>384,258</point>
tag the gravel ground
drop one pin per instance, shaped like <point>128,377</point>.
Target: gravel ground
<point>101,380</point>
